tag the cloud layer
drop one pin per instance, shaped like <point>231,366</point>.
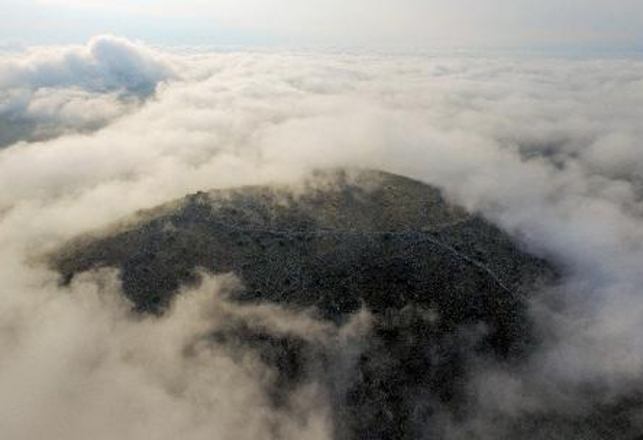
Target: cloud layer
<point>550,149</point>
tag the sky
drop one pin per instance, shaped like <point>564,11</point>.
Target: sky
<point>380,24</point>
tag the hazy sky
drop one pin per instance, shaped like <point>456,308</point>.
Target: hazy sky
<point>408,24</point>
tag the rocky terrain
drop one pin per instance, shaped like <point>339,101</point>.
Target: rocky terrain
<point>445,288</point>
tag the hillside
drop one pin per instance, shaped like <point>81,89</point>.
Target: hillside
<point>444,286</point>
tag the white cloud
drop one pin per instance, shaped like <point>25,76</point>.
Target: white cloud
<point>548,148</point>
<point>45,92</point>
<point>105,64</point>
<point>76,364</point>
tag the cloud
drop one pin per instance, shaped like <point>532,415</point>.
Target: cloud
<point>547,148</point>
<point>82,366</point>
<point>106,64</point>
<point>46,92</point>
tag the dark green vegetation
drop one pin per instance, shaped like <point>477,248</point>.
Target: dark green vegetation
<point>444,286</point>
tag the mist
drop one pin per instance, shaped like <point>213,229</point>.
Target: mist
<point>549,149</point>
